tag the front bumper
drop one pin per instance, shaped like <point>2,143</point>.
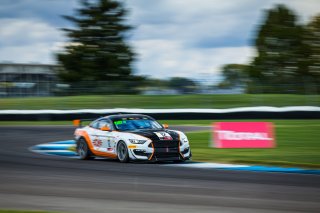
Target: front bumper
<point>160,151</point>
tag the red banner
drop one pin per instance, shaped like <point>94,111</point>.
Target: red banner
<point>243,135</point>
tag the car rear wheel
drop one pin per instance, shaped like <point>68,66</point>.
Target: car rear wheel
<point>122,152</point>
<point>83,150</point>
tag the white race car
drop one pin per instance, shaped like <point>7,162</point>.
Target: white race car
<point>131,137</point>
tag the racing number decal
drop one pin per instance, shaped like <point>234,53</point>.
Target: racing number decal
<point>109,140</point>
<point>107,143</point>
<point>163,135</point>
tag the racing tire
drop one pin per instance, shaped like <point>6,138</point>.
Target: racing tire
<point>122,152</point>
<point>83,150</point>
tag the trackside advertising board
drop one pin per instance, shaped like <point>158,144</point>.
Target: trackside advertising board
<point>243,135</point>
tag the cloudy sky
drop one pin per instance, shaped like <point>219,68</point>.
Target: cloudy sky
<point>189,38</point>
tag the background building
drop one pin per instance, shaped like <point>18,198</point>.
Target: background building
<point>27,79</point>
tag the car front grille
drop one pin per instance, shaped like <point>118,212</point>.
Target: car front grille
<point>166,149</point>
<point>166,143</point>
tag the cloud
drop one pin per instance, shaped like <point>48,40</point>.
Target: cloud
<point>172,37</point>
<point>190,37</point>
<point>49,11</point>
<point>21,31</point>
<point>24,40</point>
<point>30,53</point>
<point>193,22</point>
<point>163,59</point>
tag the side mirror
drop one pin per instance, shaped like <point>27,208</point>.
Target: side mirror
<point>105,128</point>
<point>166,126</point>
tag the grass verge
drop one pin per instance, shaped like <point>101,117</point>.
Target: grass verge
<point>297,146</point>
<point>162,101</point>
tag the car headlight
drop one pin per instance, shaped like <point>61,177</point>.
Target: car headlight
<point>135,141</point>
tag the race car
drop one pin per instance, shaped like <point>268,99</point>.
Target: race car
<point>131,137</point>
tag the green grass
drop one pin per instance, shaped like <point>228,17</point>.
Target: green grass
<point>165,101</point>
<point>297,146</point>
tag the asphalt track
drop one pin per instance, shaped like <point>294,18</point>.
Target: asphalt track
<point>40,182</point>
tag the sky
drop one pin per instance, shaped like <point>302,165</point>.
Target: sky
<point>172,38</point>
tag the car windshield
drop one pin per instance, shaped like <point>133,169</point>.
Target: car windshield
<point>136,123</point>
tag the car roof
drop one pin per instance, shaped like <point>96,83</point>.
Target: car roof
<point>121,116</point>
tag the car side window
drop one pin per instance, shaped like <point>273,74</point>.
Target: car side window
<point>95,124</point>
<point>103,123</point>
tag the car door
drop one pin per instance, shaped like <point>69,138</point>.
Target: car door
<point>106,138</point>
<point>93,132</point>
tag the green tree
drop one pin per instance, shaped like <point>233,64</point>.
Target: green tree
<point>279,64</point>
<point>312,39</point>
<point>97,49</point>
<point>183,85</point>
<point>234,75</point>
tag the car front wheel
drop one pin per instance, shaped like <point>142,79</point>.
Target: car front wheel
<point>122,152</point>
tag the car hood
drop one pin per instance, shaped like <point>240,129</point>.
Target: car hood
<point>156,135</point>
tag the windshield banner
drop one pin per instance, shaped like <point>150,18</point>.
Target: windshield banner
<point>243,135</point>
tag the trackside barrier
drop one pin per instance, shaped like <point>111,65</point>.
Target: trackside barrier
<point>262,112</point>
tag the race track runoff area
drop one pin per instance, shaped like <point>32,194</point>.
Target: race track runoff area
<point>34,181</point>
<point>67,149</point>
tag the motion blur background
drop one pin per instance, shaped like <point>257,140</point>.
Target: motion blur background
<point>54,48</point>
<point>105,54</point>
<point>160,54</point>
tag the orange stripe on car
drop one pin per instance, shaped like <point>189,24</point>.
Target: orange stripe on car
<point>152,151</point>
<point>95,152</point>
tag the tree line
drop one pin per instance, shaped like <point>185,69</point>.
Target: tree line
<point>99,57</point>
<point>287,60</point>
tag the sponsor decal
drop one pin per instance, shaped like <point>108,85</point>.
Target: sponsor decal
<point>110,149</point>
<point>163,135</point>
<point>243,135</point>
<point>119,122</point>
<point>97,142</point>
